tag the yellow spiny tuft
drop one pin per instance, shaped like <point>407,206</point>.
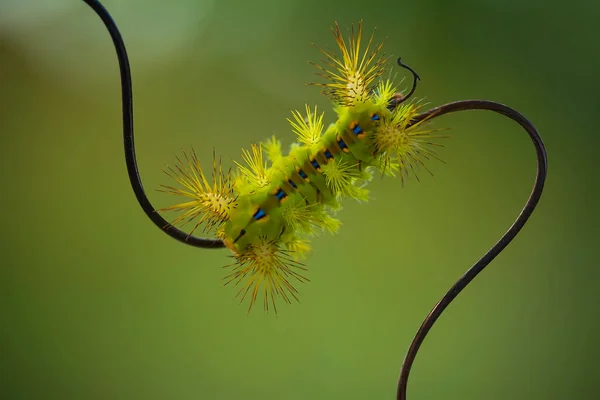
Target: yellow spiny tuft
<point>351,76</point>
<point>309,219</point>
<point>272,147</point>
<point>341,178</point>
<point>307,129</point>
<point>299,248</point>
<point>220,233</point>
<point>407,147</point>
<point>383,93</point>
<point>386,165</point>
<point>256,173</point>
<point>212,204</point>
<point>265,267</point>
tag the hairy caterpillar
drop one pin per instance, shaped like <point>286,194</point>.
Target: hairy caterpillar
<point>266,211</point>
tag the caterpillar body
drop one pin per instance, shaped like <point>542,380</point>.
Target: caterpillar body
<point>266,212</point>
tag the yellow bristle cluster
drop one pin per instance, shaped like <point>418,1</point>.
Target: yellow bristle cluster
<point>308,129</point>
<point>210,205</point>
<point>341,178</point>
<point>404,146</point>
<point>352,75</point>
<point>256,173</point>
<point>383,92</point>
<point>298,248</point>
<point>265,268</point>
<point>272,148</point>
<point>309,219</point>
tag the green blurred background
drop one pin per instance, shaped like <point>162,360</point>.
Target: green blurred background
<point>96,303</point>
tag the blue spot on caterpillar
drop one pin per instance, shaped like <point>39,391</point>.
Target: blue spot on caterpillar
<point>302,174</point>
<point>342,144</point>
<point>292,184</point>
<point>375,117</point>
<point>259,214</point>
<point>280,194</point>
<point>327,154</point>
<point>315,164</point>
<point>357,129</point>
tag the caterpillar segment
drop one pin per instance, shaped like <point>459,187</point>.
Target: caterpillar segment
<point>267,211</point>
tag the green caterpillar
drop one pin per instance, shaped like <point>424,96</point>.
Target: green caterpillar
<point>266,212</point>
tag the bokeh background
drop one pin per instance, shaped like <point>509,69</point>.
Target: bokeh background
<point>96,303</point>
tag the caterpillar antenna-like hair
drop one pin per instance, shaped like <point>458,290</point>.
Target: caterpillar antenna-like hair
<point>130,159</point>
<point>534,197</point>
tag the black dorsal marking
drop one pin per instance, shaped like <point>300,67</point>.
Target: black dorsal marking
<point>242,233</point>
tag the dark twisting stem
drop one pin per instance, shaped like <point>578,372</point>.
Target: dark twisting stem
<point>534,197</point>
<point>130,159</point>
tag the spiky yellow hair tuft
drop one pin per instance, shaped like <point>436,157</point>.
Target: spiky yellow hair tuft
<point>308,129</point>
<point>256,172</point>
<point>210,204</point>
<point>352,75</point>
<point>403,146</point>
<point>265,266</point>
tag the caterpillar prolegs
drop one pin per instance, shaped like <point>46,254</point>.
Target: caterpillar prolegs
<point>268,209</point>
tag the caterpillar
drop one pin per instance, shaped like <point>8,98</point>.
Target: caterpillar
<point>268,209</point>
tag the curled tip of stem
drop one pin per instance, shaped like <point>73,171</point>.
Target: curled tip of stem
<point>399,97</point>
<point>415,75</point>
